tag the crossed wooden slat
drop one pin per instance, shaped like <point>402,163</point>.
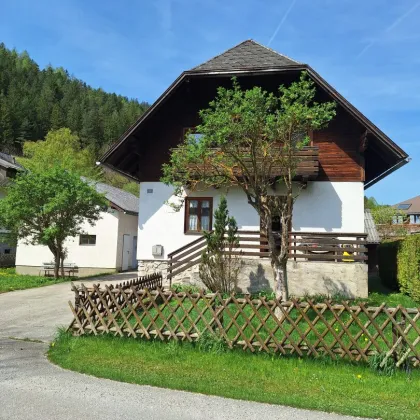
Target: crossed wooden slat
<point>130,309</point>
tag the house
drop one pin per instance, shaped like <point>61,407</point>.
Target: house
<point>409,214</point>
<point>8,170</point>
<point>328,220</point>
<point>110,245</point>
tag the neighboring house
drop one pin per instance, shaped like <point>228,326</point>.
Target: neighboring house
<point>410,216</point>
<point>110,245</point>
<point>348,157</point>
<point>8,170</point>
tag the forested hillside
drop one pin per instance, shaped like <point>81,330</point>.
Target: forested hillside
<point>34,101</point>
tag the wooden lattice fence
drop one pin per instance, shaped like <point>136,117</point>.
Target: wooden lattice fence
<point>304,328</point>
<point>92,302</point>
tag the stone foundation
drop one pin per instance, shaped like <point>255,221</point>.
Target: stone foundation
<point>81,271</point>
<point>146,267</point>
<point>304,278</point>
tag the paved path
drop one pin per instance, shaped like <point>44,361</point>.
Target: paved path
<point>37,313</point>
<point>33,388</point>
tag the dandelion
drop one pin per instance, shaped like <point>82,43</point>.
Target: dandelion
<point>359,376</point>
<point>52,344</point>
<point>366,339</point>
<point>336,329</point>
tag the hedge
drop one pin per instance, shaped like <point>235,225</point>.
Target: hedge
<point>408,261</point>
<point>387,263</point>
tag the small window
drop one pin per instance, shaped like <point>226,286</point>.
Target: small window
<point>198,214</point>
<point>416,219</point>
<point>7,251</point>
<point>403,206</point>
<point>191,131</point>
<point>87,240</point>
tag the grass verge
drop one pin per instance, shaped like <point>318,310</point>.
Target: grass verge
<point>10,281</point>
<point>313,384</point>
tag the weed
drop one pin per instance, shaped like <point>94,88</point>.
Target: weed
<point>211,342</point>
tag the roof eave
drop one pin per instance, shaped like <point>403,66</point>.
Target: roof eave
<point>400,154</point>
<point>358,115</point>
<point>398,165</point>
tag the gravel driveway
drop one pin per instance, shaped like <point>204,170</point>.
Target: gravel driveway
<point>33,388</point>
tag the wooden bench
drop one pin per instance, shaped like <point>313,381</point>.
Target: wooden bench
<point>69,268</point>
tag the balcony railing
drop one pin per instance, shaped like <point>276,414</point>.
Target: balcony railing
<point>307,165</point>
<point>303,246</point>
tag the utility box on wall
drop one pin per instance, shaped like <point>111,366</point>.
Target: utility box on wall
<point>157,250</point>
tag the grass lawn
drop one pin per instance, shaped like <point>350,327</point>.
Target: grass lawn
<point>306,383</point>
<point>10,281</point>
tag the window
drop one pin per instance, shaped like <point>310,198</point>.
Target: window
<point>191,131</point>
<point>198,214</point>
<point>7,251</point>
<point>398,220</point>
<point>403,206</point>
<point>416,218</point>
<point>87,240</point>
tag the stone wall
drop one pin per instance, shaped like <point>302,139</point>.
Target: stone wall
<point>304,278</point>
<point>146,267</point>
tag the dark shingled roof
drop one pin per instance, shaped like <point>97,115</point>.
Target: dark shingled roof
<point>245,56</point>
<point>122,199</point>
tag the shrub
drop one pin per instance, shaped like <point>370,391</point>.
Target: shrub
<point>409,266</point>
<point>387,263</point>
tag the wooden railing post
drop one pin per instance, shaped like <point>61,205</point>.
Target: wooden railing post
<point>170,271</point>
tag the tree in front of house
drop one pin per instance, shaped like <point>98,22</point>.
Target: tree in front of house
<point>46,207</point>
<point>219,267</point>
<point>250,139</point>
<point>63,148</point>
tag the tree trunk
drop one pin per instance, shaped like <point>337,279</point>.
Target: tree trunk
<point>56,264</point>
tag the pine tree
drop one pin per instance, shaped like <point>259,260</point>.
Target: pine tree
<point>219,269</point>
<point>39,100</point>
<point>6,128</point>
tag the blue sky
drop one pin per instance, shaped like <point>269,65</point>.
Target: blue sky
<point>368,50</point>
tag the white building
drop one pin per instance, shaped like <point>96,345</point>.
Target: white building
<point>347,157</point>
<point>110,245</point>
<point>8,170</point>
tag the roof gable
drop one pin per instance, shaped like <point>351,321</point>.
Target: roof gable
<point>245,56</point>
<point>248,59</point>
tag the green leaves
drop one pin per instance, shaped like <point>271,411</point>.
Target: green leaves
<point>46,207</point>
<point>244,134</point>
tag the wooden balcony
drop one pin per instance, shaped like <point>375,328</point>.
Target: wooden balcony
<point>307,166</point>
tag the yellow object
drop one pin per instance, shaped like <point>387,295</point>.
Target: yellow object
<point>347,254</point>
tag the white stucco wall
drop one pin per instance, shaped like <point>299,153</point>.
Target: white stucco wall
<point>322,207</point>
<point>102,255</point>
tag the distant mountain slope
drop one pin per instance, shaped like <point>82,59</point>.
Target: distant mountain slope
<point>33,101</point>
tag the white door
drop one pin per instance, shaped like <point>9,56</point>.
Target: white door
<point>126,257</point>
<point>134,263</point>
